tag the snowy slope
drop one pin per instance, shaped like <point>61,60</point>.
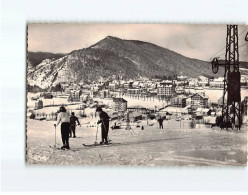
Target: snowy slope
<point>172,146</point>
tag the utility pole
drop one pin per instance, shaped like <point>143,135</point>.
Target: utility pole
<point>128,122</point>
<point>231,108</point>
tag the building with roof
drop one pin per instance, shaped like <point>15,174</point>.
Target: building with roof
<point>112,86</point>
<point>135,116</point>
<point>179,90</point>
<point>217,82</point>
<point>175,110</point>
<point>244,80</point>
<point>133,91</point>
<point>135,84</point>
<point>75,95</point>
<point>181,78</point>
<point>168,82</point>
<point>193,82</point>
<point>119,104</point>
<point>104,94</point>
<point>179,101</point>
<point>164,91</point>
<point>141,110</point>
<point>199,100</point>
<point>203,81</point>
<point>200,112</point>
<point>38,105</point>
<point>127,85</point>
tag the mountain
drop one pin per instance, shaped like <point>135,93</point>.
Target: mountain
<point>130,59</point>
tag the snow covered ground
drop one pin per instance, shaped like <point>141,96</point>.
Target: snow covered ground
<point>172,146</point>
<point>215,94</point>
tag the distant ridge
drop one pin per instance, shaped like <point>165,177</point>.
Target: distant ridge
<point>129,59</point>
<point>36,58</point>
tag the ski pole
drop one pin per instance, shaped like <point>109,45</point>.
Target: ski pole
<point>96,134</point>
<point>55,135</point>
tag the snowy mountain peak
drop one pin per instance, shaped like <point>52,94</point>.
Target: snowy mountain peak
<point>129,59</point>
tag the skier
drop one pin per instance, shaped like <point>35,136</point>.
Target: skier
<point>73,120</point>
<point>64,118</point>
<point>160,121</point>
<point>104,119</point>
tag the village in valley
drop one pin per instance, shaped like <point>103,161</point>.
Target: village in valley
<point>189,108</point>
<point>180,99</point>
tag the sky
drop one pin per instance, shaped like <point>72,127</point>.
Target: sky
<point>195,41</point>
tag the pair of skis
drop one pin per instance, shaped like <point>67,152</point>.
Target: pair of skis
<point>54,147</point>
<point>98,144</point>
<point>86,145</point>
<point>72,149</point>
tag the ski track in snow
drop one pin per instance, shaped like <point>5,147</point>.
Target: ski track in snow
<point>171,146</point>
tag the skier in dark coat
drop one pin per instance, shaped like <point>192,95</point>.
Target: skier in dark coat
<point>73,120</point>
<point>104,120</point>
<point>160,121</point>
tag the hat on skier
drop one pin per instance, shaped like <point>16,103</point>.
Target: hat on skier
<point>62,109</point>
<point>98,109</point>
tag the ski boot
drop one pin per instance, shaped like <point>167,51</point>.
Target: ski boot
<point>63,147</point>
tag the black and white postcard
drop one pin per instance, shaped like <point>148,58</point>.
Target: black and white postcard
<point>136,94</point>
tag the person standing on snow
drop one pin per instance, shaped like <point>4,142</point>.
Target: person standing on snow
<point>73,120</point>
<point>104,120</point>
<point>64,118</point>
<point>160,121</point>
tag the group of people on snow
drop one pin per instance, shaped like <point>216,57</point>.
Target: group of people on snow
<point>68,125</point>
